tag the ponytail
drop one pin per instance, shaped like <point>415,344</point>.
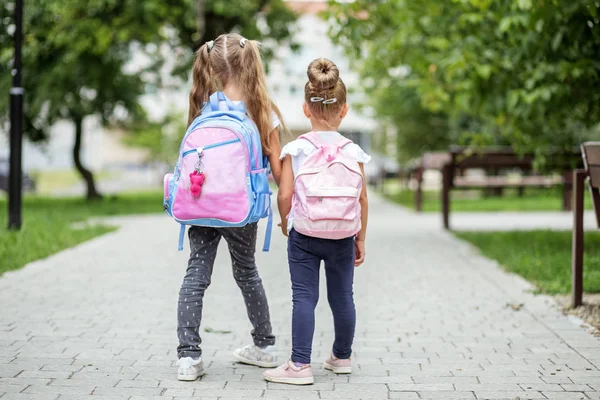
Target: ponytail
<point>258,103</point>
<point>202,85</point>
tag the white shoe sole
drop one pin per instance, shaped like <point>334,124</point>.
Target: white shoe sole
<point>189,378</point>
<point>338,370</point>
<point>291,381</point>
<point>262,364</point>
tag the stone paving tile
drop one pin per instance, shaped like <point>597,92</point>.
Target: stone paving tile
<point>441,395</point>
<point>508,395</point>
<point>421,387</point>
<point>182,398</point>
<point>565,395</point>
<point>433,322</point>
<point>575,388</point>
<point>12,388</point>
<point>27,396</point>
<point>94,397</point>
<point>63,390</point>
<point>404,395</point>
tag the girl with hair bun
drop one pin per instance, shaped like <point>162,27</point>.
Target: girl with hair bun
<point>323,196</point>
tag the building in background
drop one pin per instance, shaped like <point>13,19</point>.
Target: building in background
<point>287,73</point>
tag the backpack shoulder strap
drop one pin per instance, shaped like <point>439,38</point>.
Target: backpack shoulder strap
<point>313,138</point>
<point>267,244</point>
<point>219,102</point>
<point>181,237</point>
<point>343,142</point>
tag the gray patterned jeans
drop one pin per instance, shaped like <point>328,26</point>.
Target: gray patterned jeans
<point>203,246</point>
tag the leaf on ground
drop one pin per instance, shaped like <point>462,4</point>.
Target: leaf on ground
<point>515,306</point>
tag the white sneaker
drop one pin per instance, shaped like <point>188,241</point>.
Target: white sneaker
<point>254,355</point>
<point>190,369</point>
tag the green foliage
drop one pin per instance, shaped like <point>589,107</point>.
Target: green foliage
<point>545,261</point>
<point>48,224</point>
<point>270,21</point>
<point>508,71</point>
<point>75,52</point>
<point>162,138</point>
<point>418,129</point>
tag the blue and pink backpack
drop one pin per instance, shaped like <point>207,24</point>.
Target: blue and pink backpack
<point>221,176</point>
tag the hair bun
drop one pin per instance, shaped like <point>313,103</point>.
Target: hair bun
<point>323,74</point>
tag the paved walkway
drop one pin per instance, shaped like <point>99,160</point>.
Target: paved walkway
<point>510,221</point>
<point>434,322</point>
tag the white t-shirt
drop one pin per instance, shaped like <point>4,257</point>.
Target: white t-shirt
<point>299,149</point>
<point>275,122</point>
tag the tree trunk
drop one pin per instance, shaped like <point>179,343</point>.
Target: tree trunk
<point>200,18</point>
<point>92,193</point>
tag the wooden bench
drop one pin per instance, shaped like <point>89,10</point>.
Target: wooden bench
<point>495,160</point>
<point>416,170</point>
<point>591,172</point>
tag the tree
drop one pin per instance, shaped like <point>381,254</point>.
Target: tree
<point>75,55</point>
<point>269,20</point>
<point>507,71</point>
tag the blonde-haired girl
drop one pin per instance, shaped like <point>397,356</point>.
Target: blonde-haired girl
<point>230,64</point>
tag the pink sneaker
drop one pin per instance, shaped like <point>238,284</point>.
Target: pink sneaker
<point>290,374</point>
<point>338,366</point>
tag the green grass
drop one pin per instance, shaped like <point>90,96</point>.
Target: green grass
<point>49,181</point>
<point>541,257</point>
<point>474,201</point>
<point>48,224</point>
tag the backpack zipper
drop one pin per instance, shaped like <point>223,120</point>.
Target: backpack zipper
<point>212,146</point>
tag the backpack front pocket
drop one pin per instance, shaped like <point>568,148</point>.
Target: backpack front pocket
<point>333,203</point>
<point>224,194</point>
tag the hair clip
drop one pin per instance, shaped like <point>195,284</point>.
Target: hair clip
<point>316,99</point>
<point>330,101</point>
<point>210,45</point>
<point>243,42</point>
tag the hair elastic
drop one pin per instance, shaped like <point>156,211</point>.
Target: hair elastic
<point>243,42</point>
<point>210,45</point>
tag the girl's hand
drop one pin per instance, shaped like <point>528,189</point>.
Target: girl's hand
<point>283,227</point>
<point>359,248</point>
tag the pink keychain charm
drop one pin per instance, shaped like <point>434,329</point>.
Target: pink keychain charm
<point>197,177</point>
<point>196,180</point>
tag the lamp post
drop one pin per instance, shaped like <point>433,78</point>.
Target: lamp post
<point>15,180</point>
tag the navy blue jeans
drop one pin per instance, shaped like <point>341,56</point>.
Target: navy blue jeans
<point>305,255</point>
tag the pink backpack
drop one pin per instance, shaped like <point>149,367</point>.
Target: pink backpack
<point>327,190</point>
